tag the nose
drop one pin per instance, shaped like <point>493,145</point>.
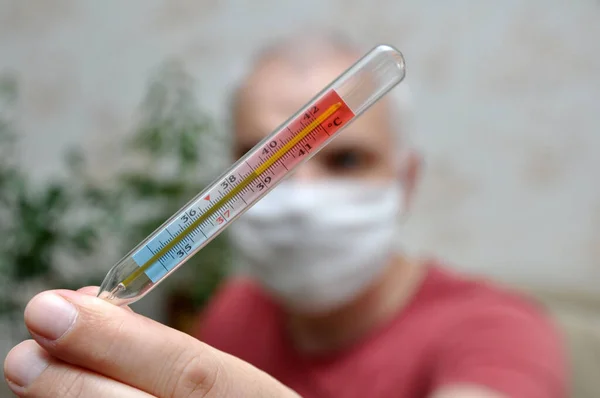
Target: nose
<point>309,171</point>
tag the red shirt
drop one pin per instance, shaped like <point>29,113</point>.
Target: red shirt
<point>454,330</point>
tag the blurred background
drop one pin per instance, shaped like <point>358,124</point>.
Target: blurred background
<point>113,115</point>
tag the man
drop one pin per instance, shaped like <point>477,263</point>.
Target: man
<point>354,318</point>
<point>330,306</point>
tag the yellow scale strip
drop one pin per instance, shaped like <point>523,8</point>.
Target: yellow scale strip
<point>237,189</point>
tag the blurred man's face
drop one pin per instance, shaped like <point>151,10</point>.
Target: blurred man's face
<point>317,246</point>
<point>364,150</point>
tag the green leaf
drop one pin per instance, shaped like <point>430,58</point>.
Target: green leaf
<point>148,186</point>
<point>82,240</point>
<point>188,148</point>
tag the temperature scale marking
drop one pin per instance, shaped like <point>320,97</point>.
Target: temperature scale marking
<point>171,246</point>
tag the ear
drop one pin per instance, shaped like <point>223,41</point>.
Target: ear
<point>410,174</point>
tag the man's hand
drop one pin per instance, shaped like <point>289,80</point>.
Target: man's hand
<point>86,347</point>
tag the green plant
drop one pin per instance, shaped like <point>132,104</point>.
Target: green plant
<point>174,153</point>
<point>35,222</point>
<point>183,150</point>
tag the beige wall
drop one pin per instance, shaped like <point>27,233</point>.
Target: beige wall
<point>508,100</point>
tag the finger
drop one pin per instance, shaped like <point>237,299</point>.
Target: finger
<point>93,291</point>
<point>91,333</point>
<point>32,372</point>
<point>89,290</point>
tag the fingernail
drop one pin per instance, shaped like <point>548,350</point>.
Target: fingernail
<point>24,364</point>
<point>50,315</point>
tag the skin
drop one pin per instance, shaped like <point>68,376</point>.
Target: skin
<point>109,351</point>
<point>83,346</point>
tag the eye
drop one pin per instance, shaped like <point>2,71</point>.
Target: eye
<point>346,160</point>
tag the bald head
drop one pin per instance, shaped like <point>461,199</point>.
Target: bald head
<point>306,50</point>
<point>294,70</point>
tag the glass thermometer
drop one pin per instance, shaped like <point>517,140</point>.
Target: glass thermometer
<point>254,175</point>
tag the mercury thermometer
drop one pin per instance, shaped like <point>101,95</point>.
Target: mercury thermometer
<point>254,175</point>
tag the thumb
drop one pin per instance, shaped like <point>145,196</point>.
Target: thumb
<point>238,378</point>
<point>112,341</point>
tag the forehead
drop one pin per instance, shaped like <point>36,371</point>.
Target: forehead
<point>277,89</point>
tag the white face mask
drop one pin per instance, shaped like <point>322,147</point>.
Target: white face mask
<point>315,246</point>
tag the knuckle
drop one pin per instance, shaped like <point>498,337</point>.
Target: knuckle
<point>198,376</point>
<point>115,343</point>
<point>59,381</point>
<point>75,387</point>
